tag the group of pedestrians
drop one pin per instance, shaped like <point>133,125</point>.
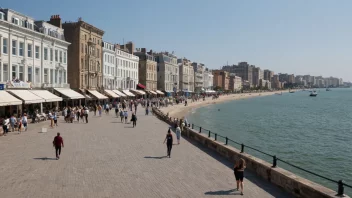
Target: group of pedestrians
<point>75,113</point>
<point>14,123</point>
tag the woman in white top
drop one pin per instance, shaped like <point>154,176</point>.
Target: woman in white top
<point>24,121</point>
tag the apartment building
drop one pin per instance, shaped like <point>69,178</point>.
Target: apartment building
<point>186,76</point>
<point>208,79</point>
<point>32,52</point>
<point>199,69</point>
<point>147,70</point>
<point>167,72</point>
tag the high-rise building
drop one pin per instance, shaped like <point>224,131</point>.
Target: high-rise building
<point>186,76</point>
<point>199,69</point>
<point>268,74</point>
<point>208,79</point>
<point>84,55</point>
<point>243,70</point>
<point>235,82</point>
<point>257,75</point>
<point>291,78</point>
<point>221,79</point>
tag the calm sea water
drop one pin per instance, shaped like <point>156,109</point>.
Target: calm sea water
<point>314,133</point>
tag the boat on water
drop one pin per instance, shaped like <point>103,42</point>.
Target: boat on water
<point>313,94</point>
<point>291,91</point>
<point>328,89</point>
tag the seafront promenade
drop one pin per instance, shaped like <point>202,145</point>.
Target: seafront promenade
<point>106,158</point>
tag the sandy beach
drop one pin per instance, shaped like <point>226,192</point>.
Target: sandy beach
<point>180,110</point>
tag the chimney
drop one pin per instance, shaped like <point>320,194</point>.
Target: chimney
<point>143,50</point>
<point>55,20</point>
<point>130,47</point>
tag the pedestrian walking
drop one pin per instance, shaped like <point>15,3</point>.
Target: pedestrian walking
<point>5,125</point>
<point>169,142</point>
<point>24,121</point>
<point>134,120</point>
<point>147,111</point>
<point>135,106</point>
<point>19,123</point>
<point>178,134</point>
<point>238,169</point>
<point>55,118</point>
<point>125,114</point>
<point>86,112</point>
<point>122,115</point>
<point>95,109</point>
<point>117,110</point>
<point>57,143</point>
<point>12,123</point>
<point>99,110</point>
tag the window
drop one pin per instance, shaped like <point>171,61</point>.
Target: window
<point>37,76</point>
<point>37,52</point>
<point>15,21</point>
<point>98,53</point>
<point>2,16</point>
<point>14,47</point>
<point>45,53</point>
<point>5,72</point>
<point>30,74</point>
<point>56,56</point>
<point>46,79</point>
<point>82,48</point>
<point>4,45</point>
<point>51,76</point>
<point>21,49</point>
<point>60,56</point>
<point>20,73</point>
<point>86,49</point>
<point>64,77</point>
<point>56,71</point>
<point>14,71</point>
<point>51,55</point>
<point>64,57</point>
<point>30,50</point>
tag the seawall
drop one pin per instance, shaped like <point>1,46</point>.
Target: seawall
<point>294,184</point>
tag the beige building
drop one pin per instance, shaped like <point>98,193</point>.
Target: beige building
<point>147,69</point>
<point>186,75</point>
<point>84,55</point>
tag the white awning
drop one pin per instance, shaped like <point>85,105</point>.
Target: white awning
<point>46,95</point>
<point>159,92</point>
<point>127,92</point>
<point>142,92</point>
<point>119,93</point>
<point>26,96</point>
<point>69,93</point>
<point>7,99</point>
<point>153,92</point>
<point>111,94</point>
<point>97,95</point>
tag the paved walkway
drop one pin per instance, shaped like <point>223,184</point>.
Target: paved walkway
<point>108,159</point>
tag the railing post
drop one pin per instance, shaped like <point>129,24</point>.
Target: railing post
<point>274,161</point>
<point>192,126</point>
<point>216,136</point>
<point>200,129</point>
<point>340,188</point>
<point>226,141</point>
<point>242,148</point>
<point>209,134</point>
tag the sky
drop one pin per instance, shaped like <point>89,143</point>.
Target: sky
<point>286,36</point>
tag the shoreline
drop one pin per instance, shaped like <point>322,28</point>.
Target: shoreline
<point>180,110</point>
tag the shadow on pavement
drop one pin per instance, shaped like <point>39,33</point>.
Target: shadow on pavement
<point>44,158</point>
<point>222,192</point>
<point>150,157</point>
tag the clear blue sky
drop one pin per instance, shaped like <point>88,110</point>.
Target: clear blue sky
<point>294,36</point>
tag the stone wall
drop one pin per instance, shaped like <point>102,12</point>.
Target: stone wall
<point>294,184</point>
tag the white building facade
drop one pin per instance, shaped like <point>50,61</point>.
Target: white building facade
<point>167,72</point>
<point>120,68</point>
<point>208,79</point>
<point>32,51</point>
<point>110,66</point>
<point>186,74</point>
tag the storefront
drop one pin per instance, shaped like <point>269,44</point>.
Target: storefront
<point>99,98</point>
<point>70,97</point>
<point>51,100</point>
<point>160,93</point>
<point>31,102</point>
<point>119,93</point>
<point>9,104</point>
<point>113,96</point>
<point>128,93</point>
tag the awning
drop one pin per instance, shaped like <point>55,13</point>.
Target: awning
<point>152,92</point>
<point>46,95</point>
<point>69,93</point>
<point>111,94</point>
<point>119,93</point>
<point>127,92</point>
<point>7,99</point>
<point>141,86</point>
<point>97,95</point>
<point>139,92</point>
<point>142,92</point>
<point>26,96</point>
<point>159,92</point>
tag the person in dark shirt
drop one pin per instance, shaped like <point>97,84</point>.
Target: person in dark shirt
<point>169,142</point>
<point>57,143</point>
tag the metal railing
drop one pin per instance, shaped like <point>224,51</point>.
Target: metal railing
<point>340,183</point>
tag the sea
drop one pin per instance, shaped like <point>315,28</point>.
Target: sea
<point>314,133</point>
